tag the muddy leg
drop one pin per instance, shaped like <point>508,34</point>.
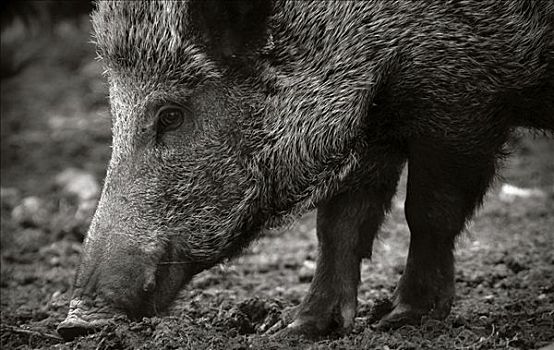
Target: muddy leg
<point>443,190</point>
<point>346,227</point>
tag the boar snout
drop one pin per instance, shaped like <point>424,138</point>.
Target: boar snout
<point>83,319</point>
<point>121,279</point>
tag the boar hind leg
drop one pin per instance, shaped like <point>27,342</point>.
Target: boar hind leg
<point>346,227</point>
<point>443,190</point>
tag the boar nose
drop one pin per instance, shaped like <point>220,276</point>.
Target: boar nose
<point>83,319</point>
<point>70,329</point>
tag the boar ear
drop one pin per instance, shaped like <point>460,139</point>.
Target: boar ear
<point>231,28</point>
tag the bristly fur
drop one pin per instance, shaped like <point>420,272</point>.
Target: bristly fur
<point>330,100</point>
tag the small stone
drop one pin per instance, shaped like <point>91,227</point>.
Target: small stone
<point>54,261</point>
<point>79,183</point>
<point>501,271</point>
<point>307,271</point>
<point>31,212</point>
<point>58,299</point>
<point>509,193</point>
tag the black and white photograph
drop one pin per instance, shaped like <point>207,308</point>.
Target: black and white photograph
<point>277,174</point>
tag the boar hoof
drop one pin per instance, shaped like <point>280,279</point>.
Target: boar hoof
<point>399,316</point>
<point>310,330</point>
<point>317,326</point>
<point>296,329</point>
<point>404,314</point>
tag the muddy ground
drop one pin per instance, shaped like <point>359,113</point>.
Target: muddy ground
<point>55,136</point>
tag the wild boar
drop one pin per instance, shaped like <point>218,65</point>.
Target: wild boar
<point>231,116</point>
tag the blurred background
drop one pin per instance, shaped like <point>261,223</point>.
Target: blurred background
<point>55,144</point>
<point>55,139</point>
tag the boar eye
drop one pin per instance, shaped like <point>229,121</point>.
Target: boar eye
<point>170,117</point>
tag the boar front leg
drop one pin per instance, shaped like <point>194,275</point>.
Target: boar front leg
<point>346,227</point>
